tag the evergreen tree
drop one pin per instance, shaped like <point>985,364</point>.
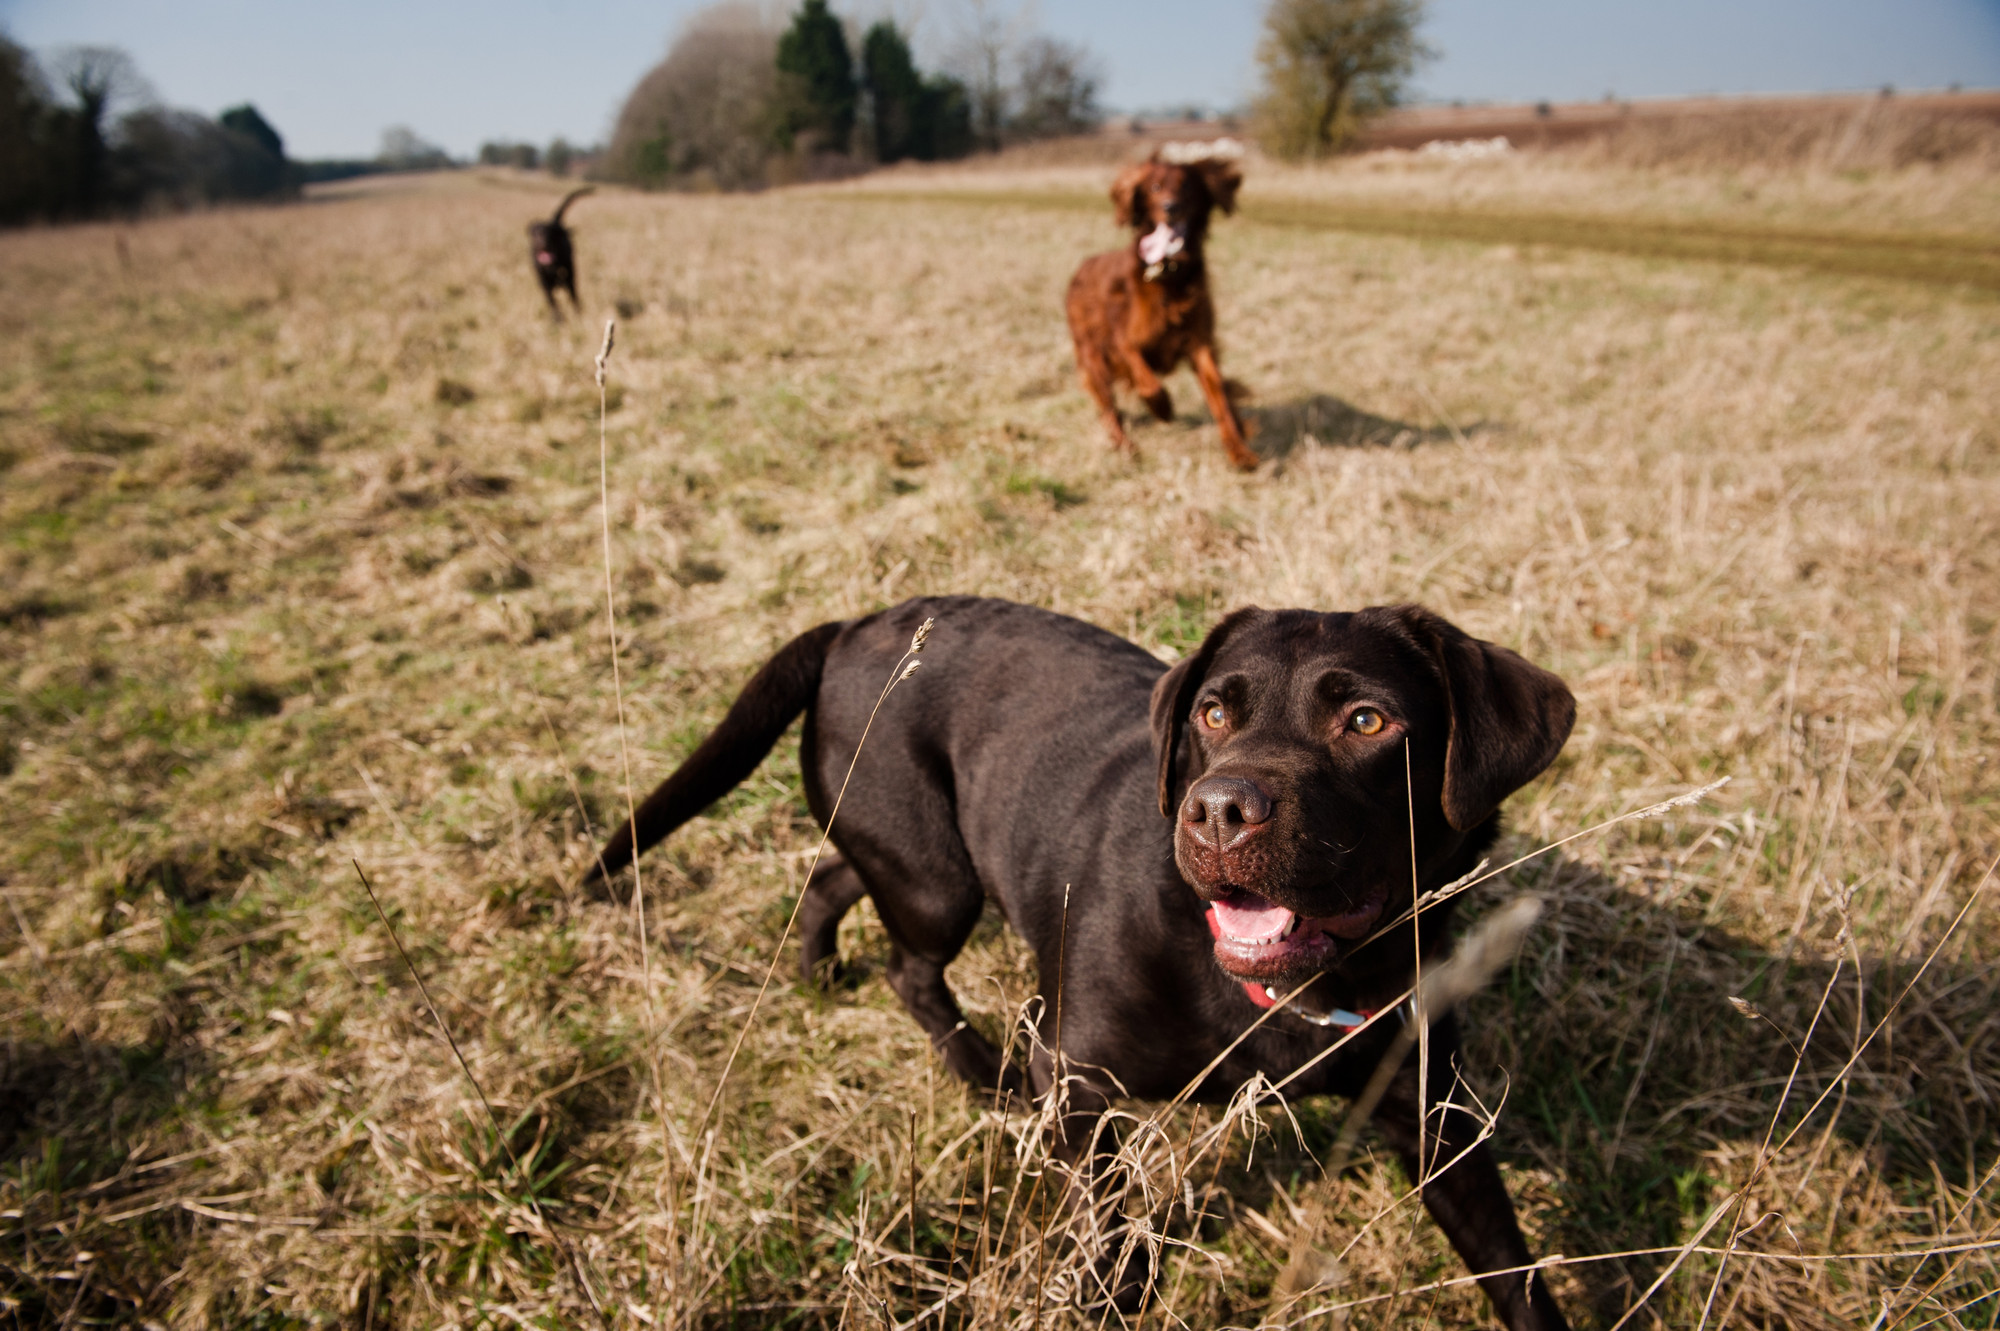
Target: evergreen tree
<point>257,166</point>
<point>814,58</point>
<point>895,91</point>
<point>929,119</point>
<point>246,120</point>
<point>29,173</point>
<point>943,129</point>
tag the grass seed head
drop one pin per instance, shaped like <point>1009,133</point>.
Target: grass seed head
<point>604,352</point>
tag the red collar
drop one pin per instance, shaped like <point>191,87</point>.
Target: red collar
<point>1262,995</point>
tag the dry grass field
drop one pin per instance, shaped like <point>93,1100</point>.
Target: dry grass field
<point>301,566</point>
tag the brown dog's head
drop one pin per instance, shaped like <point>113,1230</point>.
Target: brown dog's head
<point>542,242</point>
<point>1168,204</point>
<point>1306,759</point>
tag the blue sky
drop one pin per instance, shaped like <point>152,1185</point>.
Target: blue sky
<point>332,76</point>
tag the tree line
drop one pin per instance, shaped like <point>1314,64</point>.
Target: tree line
<point>85,138</point>
<point>560,158</point>
<point>82,135</point>
<point>738,103</point>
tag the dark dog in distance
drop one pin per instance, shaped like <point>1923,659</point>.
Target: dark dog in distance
<point>555,257</point>
<point>1137,313</point>
<point>1241,824</point>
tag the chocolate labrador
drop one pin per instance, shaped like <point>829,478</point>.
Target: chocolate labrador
<point>1231,828</point>
<point>554,254</point>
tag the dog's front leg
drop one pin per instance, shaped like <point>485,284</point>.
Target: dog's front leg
<point>1463,1191</point>
<point>1096,374</point>
<point>1216,390</point>
<point>1148,386</point>
<point>1115,1263</point>
<point>919,981</point>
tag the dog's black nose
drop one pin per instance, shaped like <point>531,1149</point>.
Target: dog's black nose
<point>1222,809</point>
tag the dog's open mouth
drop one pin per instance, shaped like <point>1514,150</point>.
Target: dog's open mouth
<point>1257,939</point>
<point>1160,244</point>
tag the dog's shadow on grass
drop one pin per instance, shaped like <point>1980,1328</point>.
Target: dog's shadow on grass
<point>1644,1054</point>
<point>1279,428</point>
<point>73,1114</point>
<point>49,1086</point>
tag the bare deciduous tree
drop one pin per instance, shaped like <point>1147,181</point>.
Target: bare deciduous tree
<point>708,112</point>
<point>1056,89</point>
<point>105,82</point>
<point>1328,65</point>
<point>1021,83</point>
<point>403,149</point>
<point>988,33</point>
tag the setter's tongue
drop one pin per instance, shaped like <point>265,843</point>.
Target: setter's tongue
<point>1160,244</point>
<point>1252,919</point>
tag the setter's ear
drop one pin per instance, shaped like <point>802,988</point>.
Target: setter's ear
<point>1173,697</point>
<point>1223,180</point>
<point>1509,719</point>
<point>1125,192</point>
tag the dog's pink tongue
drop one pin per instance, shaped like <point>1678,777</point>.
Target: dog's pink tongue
<point>1252,918</point>
<point>1159,244</point>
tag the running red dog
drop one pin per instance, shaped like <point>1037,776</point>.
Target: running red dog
<point>1138,312</point>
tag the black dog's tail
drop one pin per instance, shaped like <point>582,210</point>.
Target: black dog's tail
<point>568,199</point>
<point>775,695</point>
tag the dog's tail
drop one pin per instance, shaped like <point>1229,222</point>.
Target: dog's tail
<point>776,694</point>
<point>568,199</point>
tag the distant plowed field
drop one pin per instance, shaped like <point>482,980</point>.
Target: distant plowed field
<point>303,575</point>
<point>1568,123</point>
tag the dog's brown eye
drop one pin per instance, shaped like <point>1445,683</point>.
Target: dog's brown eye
<point>1367,721</point>
<point>1214,717</point>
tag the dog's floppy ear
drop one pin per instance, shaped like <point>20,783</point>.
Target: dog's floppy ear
<point>1125,192</point>
<point>1174,694</point>
<point>1223,180</point>
<point>1508,718</point>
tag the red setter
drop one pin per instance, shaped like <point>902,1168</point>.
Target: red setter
<point>1138,312</point>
